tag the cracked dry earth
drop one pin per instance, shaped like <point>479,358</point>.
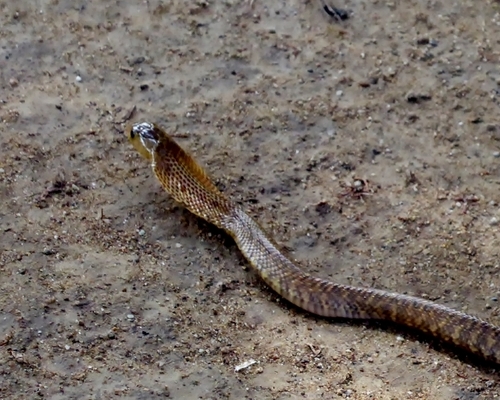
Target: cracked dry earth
<point>111,290</point>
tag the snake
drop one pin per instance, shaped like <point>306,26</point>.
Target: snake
<point>189,184</point>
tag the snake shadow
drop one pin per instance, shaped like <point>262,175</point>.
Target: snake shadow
<point>193,225</point>
<point>485,366</point>
<point>412,335</point>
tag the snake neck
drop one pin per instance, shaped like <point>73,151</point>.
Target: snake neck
<point>208,204</point>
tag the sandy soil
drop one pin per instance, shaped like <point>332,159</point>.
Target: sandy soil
<point>111,290</point>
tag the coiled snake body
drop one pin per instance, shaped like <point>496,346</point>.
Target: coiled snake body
<point>189,185</point>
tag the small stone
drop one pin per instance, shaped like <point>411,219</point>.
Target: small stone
<point>131,317</point>
<point>67,347</point>
<point>496,154</point>
<point>138,60</point>
<point>339,93</point>
<point>493,221</point>
<point>390,72</point>
<point>141,232</point>
<point>178,245</point>
<point>323,208</point>
<point>2,170</point>
<point>417,98</point>
<point>244,365</point>
<point>78,78</point>
<point>13,82</point>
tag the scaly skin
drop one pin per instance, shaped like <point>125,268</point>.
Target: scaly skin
<point>188,184</point>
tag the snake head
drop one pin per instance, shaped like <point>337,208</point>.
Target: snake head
<point>145,137</point>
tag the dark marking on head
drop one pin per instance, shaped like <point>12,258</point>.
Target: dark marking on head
<point>147,134</point>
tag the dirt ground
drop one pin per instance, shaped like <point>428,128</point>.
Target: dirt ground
<point>111,290</point>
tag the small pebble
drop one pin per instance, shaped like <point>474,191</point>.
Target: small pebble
<point>244,365</point>
<point>493,221</point>
<point>339,93</point>
<point>138,60</point>
<point>130,316</point>
<point>142,232</point>
<point>67,347</point>
<point>178,245</point>
<point>13,82</point>
<point>496,154</point>
<point>78,78</point>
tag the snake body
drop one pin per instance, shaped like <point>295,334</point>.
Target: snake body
<point>187,182</point>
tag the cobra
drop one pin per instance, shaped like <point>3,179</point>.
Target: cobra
<point>188,183</point>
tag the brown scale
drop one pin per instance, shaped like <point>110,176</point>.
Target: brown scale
<point>189,184</point>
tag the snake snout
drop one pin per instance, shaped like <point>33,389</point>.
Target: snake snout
<point>142,129</point>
